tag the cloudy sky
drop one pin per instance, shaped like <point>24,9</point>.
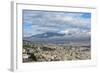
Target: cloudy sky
<point>37,22</point>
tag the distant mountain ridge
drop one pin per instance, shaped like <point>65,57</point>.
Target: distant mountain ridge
<point>57,38</point>
<point>48,34</point>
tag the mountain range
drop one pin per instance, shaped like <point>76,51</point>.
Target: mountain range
<point>58,38</point>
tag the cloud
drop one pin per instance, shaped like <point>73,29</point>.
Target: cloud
<point>76,32</point>
<point>44,21</point>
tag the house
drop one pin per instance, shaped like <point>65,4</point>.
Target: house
<point>25,57</point>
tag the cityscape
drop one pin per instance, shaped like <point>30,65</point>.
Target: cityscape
<point>56,36</point>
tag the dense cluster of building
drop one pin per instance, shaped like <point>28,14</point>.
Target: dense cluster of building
<point>41,53</point>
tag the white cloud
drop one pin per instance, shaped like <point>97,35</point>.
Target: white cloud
<point>42,21</point>
<point>76,32</point>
